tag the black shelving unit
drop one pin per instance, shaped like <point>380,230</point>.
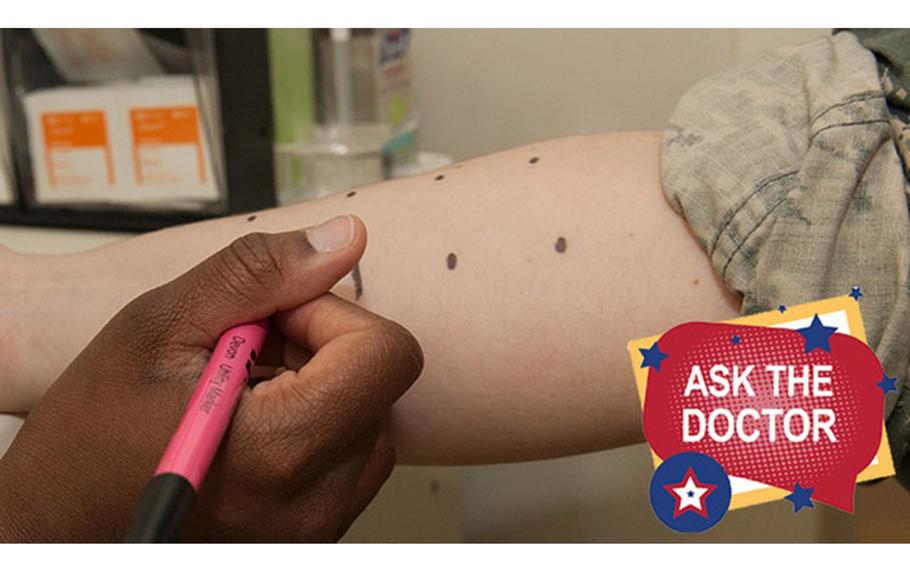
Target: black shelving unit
<point>239,69</point>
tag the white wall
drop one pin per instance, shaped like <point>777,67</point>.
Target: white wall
<point>487,90</point>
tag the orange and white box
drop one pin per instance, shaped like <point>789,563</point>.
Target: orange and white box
<point>168,147</point>
<point>72,147</point>
<point>139,143</point>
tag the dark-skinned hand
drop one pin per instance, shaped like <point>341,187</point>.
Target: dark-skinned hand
<point>306,451</point>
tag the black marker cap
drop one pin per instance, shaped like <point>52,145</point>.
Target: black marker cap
<point>165,503</point>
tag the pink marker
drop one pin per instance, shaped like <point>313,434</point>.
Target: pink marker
<point>169,496</point>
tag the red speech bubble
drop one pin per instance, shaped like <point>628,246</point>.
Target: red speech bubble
<point>820,434</point>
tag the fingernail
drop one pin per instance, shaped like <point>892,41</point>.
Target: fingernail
<point>332,235</point>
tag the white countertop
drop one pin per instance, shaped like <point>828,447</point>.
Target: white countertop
<point>35,240</point>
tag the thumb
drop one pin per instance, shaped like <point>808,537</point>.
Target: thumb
<point>260,274</point>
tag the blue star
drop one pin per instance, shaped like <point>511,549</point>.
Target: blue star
<point>855,293</point>
<point>817,335</point>
<point>782,308</point>
<point>801,497</point>
<point>735,340</point>
<point>887,384</point>
<point>653,357</point>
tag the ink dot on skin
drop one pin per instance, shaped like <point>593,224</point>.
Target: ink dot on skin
<point>352,193</point>
<point>440,177</point>
<point>561,245</point>
<point>251,218</point>
<point>358,282</point>
<point>451,261</point>
<point>534,160</point>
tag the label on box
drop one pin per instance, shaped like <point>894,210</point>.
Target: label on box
<point>392,76</point>
<point>77,151</point>
<point>167,146</point>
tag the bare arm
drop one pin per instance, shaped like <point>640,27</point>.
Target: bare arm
<point>523,280</point>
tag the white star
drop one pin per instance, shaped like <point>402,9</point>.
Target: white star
<point>690,494</point>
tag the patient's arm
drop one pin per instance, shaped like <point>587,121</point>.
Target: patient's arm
<point>523,274</point>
